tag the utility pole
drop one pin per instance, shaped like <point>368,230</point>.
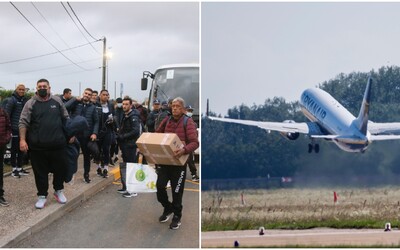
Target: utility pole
<point>103,83</point>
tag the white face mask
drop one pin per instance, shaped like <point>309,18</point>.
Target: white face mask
<point>189,114</point>
<point>119,105</point>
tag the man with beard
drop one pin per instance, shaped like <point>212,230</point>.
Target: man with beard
<point>128,133</point>
<point>41,130</point>
<point>84,107</point>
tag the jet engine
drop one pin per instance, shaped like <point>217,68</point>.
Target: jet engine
<point>290,136</point>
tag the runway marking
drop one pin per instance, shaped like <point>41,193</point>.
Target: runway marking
<point>291,235</point>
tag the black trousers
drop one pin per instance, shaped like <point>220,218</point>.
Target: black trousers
<point>83,141</point>
<point>192,166</point>
<point>177,176</point>
<point>128,151</point>
<point>49,161</point>
<point>17,156</point>
<point>2,150</point>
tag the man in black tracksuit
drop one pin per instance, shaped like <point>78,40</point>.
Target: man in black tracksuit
<point>128,133</point>
<point>14,109</point>
<point>43,119</point>
<point>84,107</point>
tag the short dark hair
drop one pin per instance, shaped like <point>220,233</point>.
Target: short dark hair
<point>89,90</point>
<point>43,80</point>
<point>66,91</point>
<point>126,98</point>
<point>95,91</point>
<point>103,90</point>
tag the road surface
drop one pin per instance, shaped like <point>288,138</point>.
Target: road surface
<point>108,220</point>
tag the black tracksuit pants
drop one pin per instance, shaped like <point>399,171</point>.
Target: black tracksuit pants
<point>177,176</point>
<point>49,161</point>
<point>128,151</point>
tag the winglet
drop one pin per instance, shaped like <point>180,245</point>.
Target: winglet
<point>362,119</point>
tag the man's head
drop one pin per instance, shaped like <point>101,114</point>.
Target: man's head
<point>67,93</point>
<point>95,93</point>
<point>178,107</point>
<point>119,102</point>
<point>189,110</point>
<point>126,104</point>
<point>20,89</point>
<point>43,88</point>
<point>87,95</point>
<point>104,96</point>
<point>156,104</point>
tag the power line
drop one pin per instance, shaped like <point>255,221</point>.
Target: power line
<point>54,30</point>
<point>78,27</point>
<point>55,67</point>
<point>80,21</point>
<point>46,38</point>
<point>48,54</point>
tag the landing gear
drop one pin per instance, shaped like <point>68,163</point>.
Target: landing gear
<point>313,146</point>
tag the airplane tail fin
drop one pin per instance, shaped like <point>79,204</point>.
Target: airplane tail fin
<point>362,119</point>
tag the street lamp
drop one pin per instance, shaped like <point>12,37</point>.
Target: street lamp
<point>108,56</point>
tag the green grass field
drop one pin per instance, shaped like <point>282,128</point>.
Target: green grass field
<point>300,208</point>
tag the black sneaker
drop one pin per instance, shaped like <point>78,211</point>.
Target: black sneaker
<point>15,174</point>
<point>115,159</point>
<point>23,172</point>
<point>3,202</point>
<point>195,178</point>
<point>86,178</point>
<point>121,191</point>
<point>128,194</point>
<point>105,173</point>
<point>165,216</point>
<point>99,172</point>
<point>176,222</point>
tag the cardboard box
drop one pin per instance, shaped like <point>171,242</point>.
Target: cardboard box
<point>158,148</point>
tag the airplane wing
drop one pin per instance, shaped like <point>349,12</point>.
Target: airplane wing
<point>384,137</point>
<point>384,128</point>
<point>309,128</point>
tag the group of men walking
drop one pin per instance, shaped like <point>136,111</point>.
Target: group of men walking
<point>47,126</point>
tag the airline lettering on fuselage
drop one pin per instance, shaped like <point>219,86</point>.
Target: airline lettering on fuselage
<point>312,106</point>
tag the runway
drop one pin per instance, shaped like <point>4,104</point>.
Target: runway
<point>318,237</point>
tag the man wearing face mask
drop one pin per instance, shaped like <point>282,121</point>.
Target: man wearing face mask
<point>41,132</point>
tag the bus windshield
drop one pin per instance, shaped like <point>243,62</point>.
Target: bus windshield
<point>170,83</point>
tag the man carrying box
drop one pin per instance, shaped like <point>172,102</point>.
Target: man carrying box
<point>185,128</point>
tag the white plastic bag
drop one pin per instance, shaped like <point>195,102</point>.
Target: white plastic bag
<point>140,178</point>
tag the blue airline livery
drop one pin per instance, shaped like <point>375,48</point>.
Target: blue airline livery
<point>331,121</point>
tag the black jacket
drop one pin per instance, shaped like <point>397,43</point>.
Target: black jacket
<point>14,108</point>
<point>130,128</point>
<point>88,111</point>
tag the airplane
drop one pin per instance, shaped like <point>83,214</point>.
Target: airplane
<point>331,121</point>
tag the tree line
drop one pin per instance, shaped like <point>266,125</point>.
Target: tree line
<point>238,151</point>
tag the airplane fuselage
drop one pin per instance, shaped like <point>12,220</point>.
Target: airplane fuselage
<point>320,107</point>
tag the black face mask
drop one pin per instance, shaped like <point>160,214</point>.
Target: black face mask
<point>42,92</point>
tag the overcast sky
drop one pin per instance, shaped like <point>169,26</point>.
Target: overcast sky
<point>252,51</point>
<point>140,36</point>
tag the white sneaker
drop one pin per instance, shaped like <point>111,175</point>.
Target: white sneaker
<point>168,184</point>
<point>60,197</point>
<point>41,202</point>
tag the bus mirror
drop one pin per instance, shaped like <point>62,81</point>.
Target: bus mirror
<point>144,83</point>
